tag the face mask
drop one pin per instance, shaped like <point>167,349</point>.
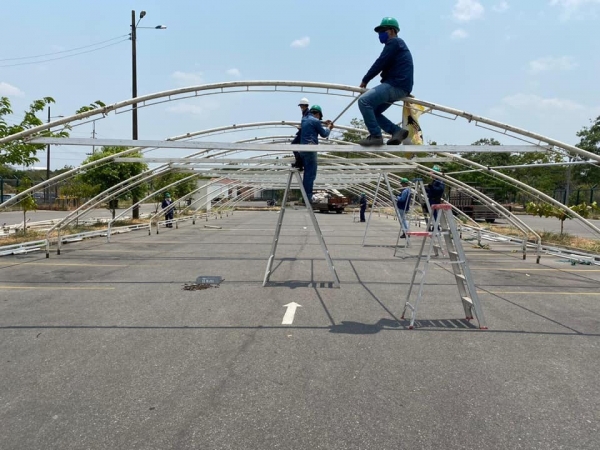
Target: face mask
<point>383,37</point>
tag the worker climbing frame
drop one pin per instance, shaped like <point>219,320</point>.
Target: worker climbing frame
<point>269,269</point>
<point>444,232</point>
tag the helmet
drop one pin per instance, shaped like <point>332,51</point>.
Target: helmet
<point>437,168</point>
<point>316,108</point>
<point>362,194</point>
<point>388,22</point>
<point>167,194</point>
<point>304,101</point>
<point>404,180</point>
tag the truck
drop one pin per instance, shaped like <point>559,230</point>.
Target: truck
<point>328,200</point>
<point>471,207</point>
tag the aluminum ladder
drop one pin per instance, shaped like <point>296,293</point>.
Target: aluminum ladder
<point>269,269</point>
<point>445,232</point>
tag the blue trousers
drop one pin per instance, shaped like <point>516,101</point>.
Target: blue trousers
<point>310,172</point>
<point>372,105</point>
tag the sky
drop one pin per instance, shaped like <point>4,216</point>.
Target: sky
<point>532,64</point>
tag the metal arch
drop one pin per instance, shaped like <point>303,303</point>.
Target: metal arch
<point>328,87</point>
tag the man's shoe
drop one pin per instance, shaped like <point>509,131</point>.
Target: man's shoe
<point>398,137</point>
<point>403,236</point>
<point>371,141</point>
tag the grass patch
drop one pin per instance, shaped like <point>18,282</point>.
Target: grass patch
<point>552,238</point>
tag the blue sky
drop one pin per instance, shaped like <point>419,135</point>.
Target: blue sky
<point>532,64</point>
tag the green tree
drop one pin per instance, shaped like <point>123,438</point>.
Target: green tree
<point>18,152</point>
<point>26,203</point>
<point>588,175</point>
<point>178,191</point>
<point>108,174</point>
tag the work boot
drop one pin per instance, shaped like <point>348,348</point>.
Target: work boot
<point>403,236</point>
<point>398,137</point>
<point>371,141</point>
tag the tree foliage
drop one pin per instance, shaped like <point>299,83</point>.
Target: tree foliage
<point>106,175</point>
<point>177,191</point>
<point>18,152</point>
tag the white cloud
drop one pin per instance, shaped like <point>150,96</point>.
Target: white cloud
<point>500,7</point>
<point>196,110</point>
<point>234,73</point>
<point>10,90</point>
<point>537,103</point>
<point>549,63</point>
<point>466,10</point>
<point>459,34</point>
<point>300,43</point>
<point>572,8</point>
<point>187,78</point>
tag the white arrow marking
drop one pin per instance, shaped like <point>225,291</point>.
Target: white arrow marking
<point>288,317</point>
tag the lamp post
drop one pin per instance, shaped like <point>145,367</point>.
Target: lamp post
<point>134,117</point>
<point>47,190</point>
<point>134,27</point>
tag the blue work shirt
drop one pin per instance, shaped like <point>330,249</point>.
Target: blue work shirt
<point>403,200</point>
<point>395,65</point>
<point>297,137</point>
<point>311,129</point>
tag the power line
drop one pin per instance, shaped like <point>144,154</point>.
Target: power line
<point>63,57</point>
<point>63,51</point>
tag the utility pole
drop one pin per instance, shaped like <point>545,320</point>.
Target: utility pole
<point>134,118</point>
<point>47,190</point>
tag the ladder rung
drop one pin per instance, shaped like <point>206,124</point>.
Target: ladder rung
<point>467,299</point>
<point>461,276</point>
<point>452,252</point>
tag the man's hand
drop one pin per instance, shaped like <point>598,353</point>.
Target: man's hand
<point>363,85</point>
<point>329,124</point>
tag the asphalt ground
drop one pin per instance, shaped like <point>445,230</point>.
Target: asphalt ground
<point>102,348</point>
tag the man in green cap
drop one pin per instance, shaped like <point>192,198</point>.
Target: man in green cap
<point>363,206</point>
<point>396,67</point>
<point>435,189</point>
<point>403,204</point>
<point>168,207</point>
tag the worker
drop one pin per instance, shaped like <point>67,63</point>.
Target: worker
<point>435,190</point>
<point>396,67</point>
<point>363,206</point>
<point>311,129</point>
<point>403,204</point>
<point>168,207</point>
<point>298,164</point>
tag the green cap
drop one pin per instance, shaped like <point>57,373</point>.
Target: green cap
<point>387,22</point>
<point>316,108</point>
<point>167,194</point>
<point>404,180</point>
<point>437,168</point>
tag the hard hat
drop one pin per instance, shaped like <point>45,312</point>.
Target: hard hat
<point>304,101</point>
<point>363,194</point>
<point>167,194</point>
<point>437,168</point>
<point>387,22</point>
<point>404,180</point>
<point>316,108</point>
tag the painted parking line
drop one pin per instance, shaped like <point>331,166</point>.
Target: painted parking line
<point>558,269</point>
<point>538,292</point>
<point>61,264</point>
<point>62,288</point>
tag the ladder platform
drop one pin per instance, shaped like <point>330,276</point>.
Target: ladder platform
<point>418,233</point>
<point>443,206</point>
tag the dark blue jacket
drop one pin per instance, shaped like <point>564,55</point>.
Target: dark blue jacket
<point>297,137</point>
<point>435,190</point>
<point>311,129</point>
<point>403,200</point>
<point>395,65</point>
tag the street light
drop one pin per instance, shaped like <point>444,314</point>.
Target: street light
<point>134,27</point>
<point>47,190</point>
<point>134,121</point>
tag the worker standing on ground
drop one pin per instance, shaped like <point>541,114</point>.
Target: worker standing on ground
<point>310,131</point>
<point>435,190</point>
<point>396,67</point>
<point>168,207</point>
<point>298,164</point>
<point>363,206</point>
<point>403,204</point>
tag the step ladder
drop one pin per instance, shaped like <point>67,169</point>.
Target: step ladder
<point>269,269</point>
<point>444,234</point>
<point>418,197</point>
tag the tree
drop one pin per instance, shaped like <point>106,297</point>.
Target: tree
<point>589,175</point>
<point>108,174</point>
<point>27,203</point>
<point>177,191</point>
<point>18,152</point>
